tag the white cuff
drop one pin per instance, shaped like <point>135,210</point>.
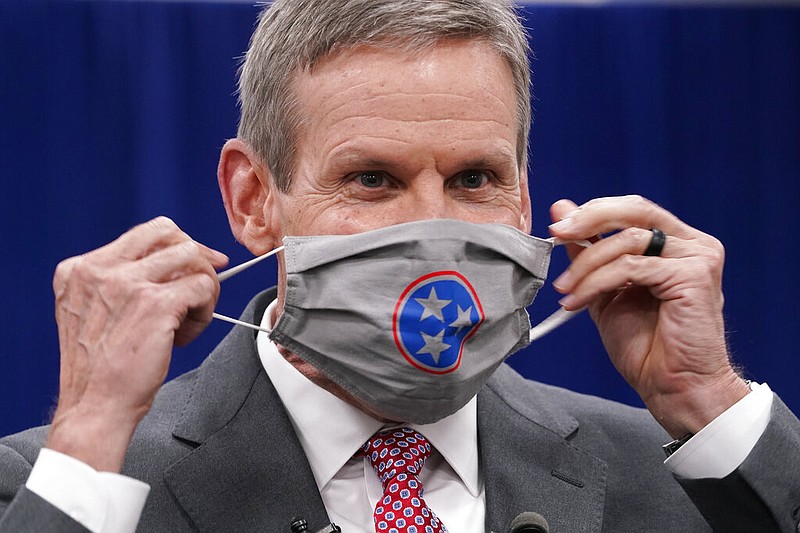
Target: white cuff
<point>126,499</point>
<point>719,448</point>
<point>102,502</point>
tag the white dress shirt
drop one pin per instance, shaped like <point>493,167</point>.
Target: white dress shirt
<point>332,430</point>
<point>720,447</point>
<point>102,502</point>
<point>110,503</point>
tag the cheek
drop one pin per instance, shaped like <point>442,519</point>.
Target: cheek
<point>349,219</point>
<point>324,216</point>
<point>501,209</point>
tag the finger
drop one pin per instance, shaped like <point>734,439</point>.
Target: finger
<point>143,239</point>
<point>658,274</point>
<point>605,215</point>
<point>151,236</point>
<point>560,210</point>
<point>200,293</point>
<point>632,241</point>
<point>217,259</point>
<point>173,262</point>
<point>183,307</point>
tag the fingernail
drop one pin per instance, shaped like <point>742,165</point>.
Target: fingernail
<point>562,224</point>
<point>563,283</point>
<point>567,302</point>
<point>219,256</point>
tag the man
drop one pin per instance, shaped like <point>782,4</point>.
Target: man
<point>357,116</point>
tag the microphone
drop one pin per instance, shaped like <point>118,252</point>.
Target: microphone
<point>529,522</point>
<point>299,525</point>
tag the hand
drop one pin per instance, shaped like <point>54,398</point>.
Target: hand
<point>120,309</point>
<point>660,318</point>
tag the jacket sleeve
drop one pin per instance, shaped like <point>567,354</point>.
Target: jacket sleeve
<point>763,494</point>
<point>27,512</point>
<point>21,510</point>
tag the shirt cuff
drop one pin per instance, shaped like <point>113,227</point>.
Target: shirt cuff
<point>102,502</point>
<point>722,446</point>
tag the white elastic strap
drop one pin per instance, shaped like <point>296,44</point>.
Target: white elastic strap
<point>222,276</point>
<point>240,323</point>
<point>561,316</point>
<point>226,274</point>
<point>560,242</point>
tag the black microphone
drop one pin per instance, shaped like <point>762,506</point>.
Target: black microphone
<point>529,522</point>
<point>299,525</point>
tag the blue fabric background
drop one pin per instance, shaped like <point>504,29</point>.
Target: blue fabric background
<point>114,112</point>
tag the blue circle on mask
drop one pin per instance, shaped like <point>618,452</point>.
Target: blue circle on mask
<point>434,317</point>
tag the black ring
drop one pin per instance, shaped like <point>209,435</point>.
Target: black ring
<point>657,242</point>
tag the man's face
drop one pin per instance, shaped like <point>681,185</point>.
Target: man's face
<point>391,137</point>
<point>388,137</point>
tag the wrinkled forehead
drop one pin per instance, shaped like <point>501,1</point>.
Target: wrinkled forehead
<point>452,80</point>
<point>459,92</point>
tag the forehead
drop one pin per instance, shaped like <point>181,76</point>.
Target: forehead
<point>455,88</point>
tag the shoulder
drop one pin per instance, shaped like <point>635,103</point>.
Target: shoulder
<point>25,444</point>
<point>18,452</point>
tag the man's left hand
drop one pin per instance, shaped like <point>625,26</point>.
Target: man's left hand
<point>660,317</point>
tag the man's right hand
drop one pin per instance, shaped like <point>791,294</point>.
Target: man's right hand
<point>120,309</point>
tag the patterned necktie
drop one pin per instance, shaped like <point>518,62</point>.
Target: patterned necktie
<point>397,456</point>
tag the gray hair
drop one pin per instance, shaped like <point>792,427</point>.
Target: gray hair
<point>293,35</point>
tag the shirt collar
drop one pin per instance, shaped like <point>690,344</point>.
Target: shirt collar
<point>331,430</point>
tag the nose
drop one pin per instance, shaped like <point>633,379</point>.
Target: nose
<point>426,199</point>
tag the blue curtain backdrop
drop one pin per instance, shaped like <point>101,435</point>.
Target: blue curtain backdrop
<point>114,112</point>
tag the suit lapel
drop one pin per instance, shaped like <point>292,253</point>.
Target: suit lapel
<point>241,443</point>
<point>528,463</point>
<point>247,470</point>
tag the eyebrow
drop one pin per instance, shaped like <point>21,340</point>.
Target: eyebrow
<point>363,159</point>
<point>501,160</point>
<point>494,158</point>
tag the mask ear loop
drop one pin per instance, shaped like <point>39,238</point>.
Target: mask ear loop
<point>561,316</point>
<point>227,274</point>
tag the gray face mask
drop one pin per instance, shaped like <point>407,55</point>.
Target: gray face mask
<point>411,319</point>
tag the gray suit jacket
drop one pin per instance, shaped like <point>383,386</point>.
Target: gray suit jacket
<point>220,455</point>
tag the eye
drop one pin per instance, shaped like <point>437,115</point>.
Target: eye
<point>371,180</point>
<point>471,179</point>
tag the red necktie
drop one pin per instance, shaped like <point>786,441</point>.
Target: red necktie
<point>397,456</point>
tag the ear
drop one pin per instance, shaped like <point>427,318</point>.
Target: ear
<point>249,197</point>
<point>525,200</point>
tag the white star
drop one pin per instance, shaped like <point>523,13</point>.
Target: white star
<point>432,305</point>
<point>463,320</point>
<point>434,345</point>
